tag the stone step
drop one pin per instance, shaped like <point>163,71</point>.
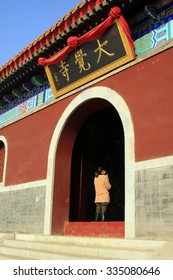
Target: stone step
<point>8,257</point>
<point>92,241</point>
<point>68,247</point>
<point>38,255</point>
<point>15,257</point>
<point>94,252</point>
<point>6,236</point>
<point>44,247</point>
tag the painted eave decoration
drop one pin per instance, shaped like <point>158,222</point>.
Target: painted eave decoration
<point>22,68</point>
<point>85,58</point>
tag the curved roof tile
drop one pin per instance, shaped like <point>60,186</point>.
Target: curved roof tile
<point>7,67</point>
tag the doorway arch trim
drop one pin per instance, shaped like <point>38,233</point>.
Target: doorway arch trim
<point>119,104</point>
<point>4,141</point>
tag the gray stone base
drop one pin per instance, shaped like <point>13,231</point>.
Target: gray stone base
<point>154,202</point>
<point>22,210</point>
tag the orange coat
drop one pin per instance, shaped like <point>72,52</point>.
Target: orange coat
<point>102,187</point>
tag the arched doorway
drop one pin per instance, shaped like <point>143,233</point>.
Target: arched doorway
<point>61,147</point>
<point>2,160</point>
<point>99,142</point>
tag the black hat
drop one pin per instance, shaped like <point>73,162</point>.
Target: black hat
<point>99,169</point>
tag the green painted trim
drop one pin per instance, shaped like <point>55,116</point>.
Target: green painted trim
<point>63,34</point>
<point>105,3</point>
<point>98,8</point>
<point>58,37</point>
<point>79,21</point>
<point>74,25</point>
<point>85,18</point>
<point>91,13</point>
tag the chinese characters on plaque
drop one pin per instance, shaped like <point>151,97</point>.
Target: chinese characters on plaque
<point>90,60</point>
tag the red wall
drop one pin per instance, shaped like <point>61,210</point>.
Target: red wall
<point>147,91</point>
<point>28,144</point>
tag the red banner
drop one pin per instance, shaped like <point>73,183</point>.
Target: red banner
<point>73,42</point>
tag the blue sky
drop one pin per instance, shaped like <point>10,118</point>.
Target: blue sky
<point>24,21</point>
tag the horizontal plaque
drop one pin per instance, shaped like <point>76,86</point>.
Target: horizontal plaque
<point>90,61</point>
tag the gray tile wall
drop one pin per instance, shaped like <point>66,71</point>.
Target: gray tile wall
<point>154,202</point>
<point>22,210</point>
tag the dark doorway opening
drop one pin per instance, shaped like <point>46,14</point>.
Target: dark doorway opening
<point>100,142</point>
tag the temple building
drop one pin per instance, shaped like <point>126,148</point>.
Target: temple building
<point>95,89</point>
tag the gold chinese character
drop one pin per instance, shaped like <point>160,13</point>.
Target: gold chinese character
<point>56,77</point>
<point>64,70</point>
<point>79,56</point>
<point>100,50</point>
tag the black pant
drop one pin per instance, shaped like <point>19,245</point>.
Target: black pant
<point>101,207</point>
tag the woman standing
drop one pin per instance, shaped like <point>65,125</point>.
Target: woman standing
<point>102,187</point>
